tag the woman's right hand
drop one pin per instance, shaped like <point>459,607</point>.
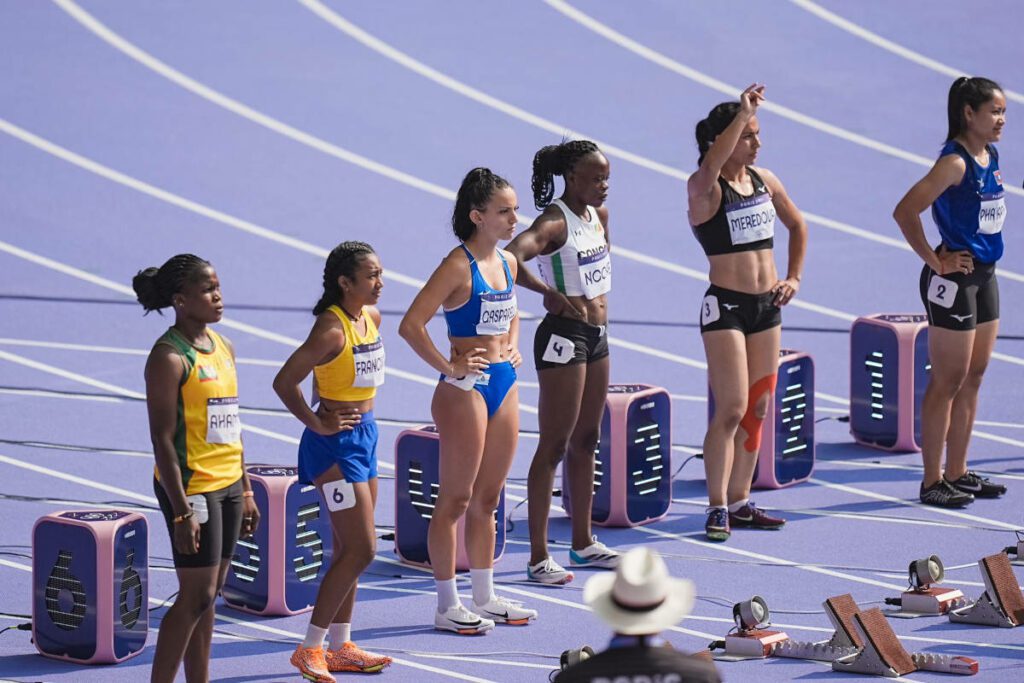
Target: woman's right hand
<point>559,304</point>
<point>186,536</point>
<point>334,420</point>
<point>954,261</point>
<point>751,98</point>
<point>470,362</point>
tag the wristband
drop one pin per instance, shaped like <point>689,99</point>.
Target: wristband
<point>247,494</point>
<point>181,518</point>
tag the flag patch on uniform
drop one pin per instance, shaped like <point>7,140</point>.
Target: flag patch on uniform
<point>998,176</point>
<point>207,373</point>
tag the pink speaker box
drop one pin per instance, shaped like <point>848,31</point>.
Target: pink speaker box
<point>786,456</point>
<point>633,458</point>
<point>417,477</point>
<point>278,571</point>
<point>90,585</point>
<point>888,377</point>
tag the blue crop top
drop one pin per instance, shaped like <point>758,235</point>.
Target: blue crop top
<point>970,215</point>
<point>489,312</point>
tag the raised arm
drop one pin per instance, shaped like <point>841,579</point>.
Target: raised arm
<point>794,221</point>
<point>444,281</point>
<point>703,182</point>
<point>947,171</point>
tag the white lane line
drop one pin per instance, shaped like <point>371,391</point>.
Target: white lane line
<point>389,51</point>
<point>288,634</point>
<point>913,468</point>
<point>77,480</point>
<point>260,231</point>
<point>914,504</point>
<point>676,67</point>
<point>240,109</point>
<point>888,45</point>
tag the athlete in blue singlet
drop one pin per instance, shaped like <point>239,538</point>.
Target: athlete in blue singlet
<point>476,403</point>
<point>958,284</point>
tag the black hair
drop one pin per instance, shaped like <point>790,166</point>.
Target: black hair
<point>474,193</point>
<point>556,160</point>
<point>344,259</point>
<point>974,91</point>
<point>708,129</point>
<point>156,287</point>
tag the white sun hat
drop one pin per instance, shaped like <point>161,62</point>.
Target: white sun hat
<point>639,597</point>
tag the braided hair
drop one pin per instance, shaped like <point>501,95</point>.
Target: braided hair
<point>156,287</point>
<point>556,160</point>
<point>344,259</point>
<point>710,128</point>
<point>975,92</point>
<point>476,190</point>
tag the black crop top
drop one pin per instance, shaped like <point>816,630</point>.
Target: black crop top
<point>742,223</point>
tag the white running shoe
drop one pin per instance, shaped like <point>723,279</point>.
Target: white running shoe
<point>596,554</point>
<point>505,611</point>
<point>548,571</point>
<point>461,621</point>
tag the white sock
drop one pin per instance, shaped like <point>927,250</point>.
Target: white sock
<point>314,636</point>
<point>447,594</point>
<point>483,585</point>
<point>735,507</point>
<point>338,634</point>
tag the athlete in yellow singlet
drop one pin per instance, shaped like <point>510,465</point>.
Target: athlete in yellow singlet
<point>338,451</point>
<point>200,481</point>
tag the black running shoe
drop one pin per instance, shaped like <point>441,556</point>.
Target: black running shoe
<point>978,486</point>
<point>942,494</point>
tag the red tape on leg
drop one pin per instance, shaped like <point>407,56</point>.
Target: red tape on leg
<point>751,423</point>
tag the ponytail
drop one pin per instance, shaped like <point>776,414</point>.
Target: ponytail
<point>474,193</point>
<point>155,287</point>
<point>717,121</point>
<point>974,91</point>
<point>556,160</point>
<point>344,259</point>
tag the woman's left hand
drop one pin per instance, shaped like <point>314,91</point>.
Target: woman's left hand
<point>785,290</point>
<point>514,357</point>
<point>250,517</point>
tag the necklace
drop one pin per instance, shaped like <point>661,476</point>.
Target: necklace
<point>351,317</point>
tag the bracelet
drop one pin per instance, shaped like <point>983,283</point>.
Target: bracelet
<point>181,518</point>
<point>247,494</point>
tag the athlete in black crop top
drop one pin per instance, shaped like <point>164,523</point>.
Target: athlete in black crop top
<point>733,209</point>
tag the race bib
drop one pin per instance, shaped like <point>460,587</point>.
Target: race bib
<point>497,310</point>
<point>199,508</point>
<point>751,220</point>
<point>369,364</point>
<point>469,381</point>
<point>339,495</point>
<point>942,292</point>
<point>709,312</point>
<point>595,271</point>
<point>222,422</point>
<point>559,350</point>
<point>992,213</point>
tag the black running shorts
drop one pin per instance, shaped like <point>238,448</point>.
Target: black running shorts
<point>218,535</point>
<point>560,342</point>
<point>724,309</point>
<point>961,301</point>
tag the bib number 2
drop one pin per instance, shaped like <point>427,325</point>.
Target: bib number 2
<point>339,495</point>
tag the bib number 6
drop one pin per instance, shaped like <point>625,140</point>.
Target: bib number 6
<point>339,495</point>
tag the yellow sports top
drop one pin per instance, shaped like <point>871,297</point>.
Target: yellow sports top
<point>208,433</point>
<point>356,372</point>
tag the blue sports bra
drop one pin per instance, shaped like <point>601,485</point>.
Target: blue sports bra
<point>489,312</point>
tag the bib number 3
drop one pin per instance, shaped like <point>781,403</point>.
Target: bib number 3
<point>339,495</point>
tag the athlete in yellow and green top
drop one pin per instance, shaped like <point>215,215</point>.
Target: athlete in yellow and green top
<point>200,482</point>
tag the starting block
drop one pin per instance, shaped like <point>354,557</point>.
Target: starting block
<point>845,641</point>
<point>882,653</point>
<point>1002,603</point>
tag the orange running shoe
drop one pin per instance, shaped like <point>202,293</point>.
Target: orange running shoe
<point>351,657</point>
<point>311,664</point>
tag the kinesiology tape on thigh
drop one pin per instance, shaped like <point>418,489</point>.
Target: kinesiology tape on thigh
<point>751,423</point>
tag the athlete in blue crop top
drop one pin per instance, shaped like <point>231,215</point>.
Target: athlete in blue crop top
<point>958,284</point>
<point>732,210</point>
<point>476,405</point>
